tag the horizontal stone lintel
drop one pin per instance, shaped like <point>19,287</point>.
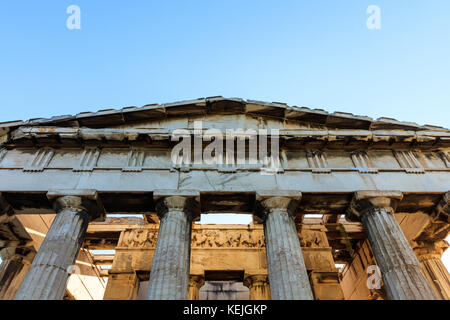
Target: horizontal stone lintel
<point>217,201</point>
<point>136,160</point>
<point>83,193</point>
<point>264,194</point>
<point>367,194</point>
<point>210,181</point>
<point>158,194</point>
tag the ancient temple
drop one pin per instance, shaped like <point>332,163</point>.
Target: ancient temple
<point>343,206</point>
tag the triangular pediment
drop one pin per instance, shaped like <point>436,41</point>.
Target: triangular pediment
<point>219,106</point>
<point>157,122</point>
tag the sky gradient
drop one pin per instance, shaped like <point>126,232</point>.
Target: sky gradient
<point>318,54</point>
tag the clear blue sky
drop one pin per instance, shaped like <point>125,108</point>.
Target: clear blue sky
<point>318,54</point>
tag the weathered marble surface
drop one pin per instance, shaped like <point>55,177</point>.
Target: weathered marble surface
<point>430,256</point>
<point>286,268</point>
<point>14,267</point>
<point>48,275</point>
<point>258,285</point>
<point>401,271</point>
<point>169,277</point>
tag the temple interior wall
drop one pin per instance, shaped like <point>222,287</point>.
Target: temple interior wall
<point>220,251</point>
<point>355,276</point>
<point>224,290</point>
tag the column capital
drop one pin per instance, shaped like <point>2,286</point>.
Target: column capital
<point>442,210</point>
<point>268,200</point>
<point>430,254</point>
<point>187,201</point>
<point>363,201</point>
<point>196,281</point>
<point>429,249</point>
<point>255,279</point>
<point>22,254</point>
<point>258,285</point>
<point>78,200</point>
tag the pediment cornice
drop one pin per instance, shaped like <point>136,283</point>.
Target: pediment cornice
<point>310,128</point>
<point>305,138</point>
<point>219,105</point>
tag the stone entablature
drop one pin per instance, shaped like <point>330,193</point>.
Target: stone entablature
<point>319,152</point>
<point>136,160</point>
<point>310,137</point>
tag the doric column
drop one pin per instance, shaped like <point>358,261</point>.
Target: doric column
<point>399,266</point>
<point>169,277</point>
<point>195,283</point>
<point>429,254</point>
<point>48,275</point>
<point>15,264</point>
<point>258,284</point>
<point>287,272</point>
<point>16,251</point>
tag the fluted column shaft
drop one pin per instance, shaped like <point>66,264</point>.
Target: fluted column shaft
<point>9,269</point>
<point>47,277</point>
<point>258,286</point>
<point>438,276</point>
<point>169,275</point>
<point>286,268</point>
<point>429,255</point>
<point>15,264</point>
<point>401,271</point>
<point>195,283</point>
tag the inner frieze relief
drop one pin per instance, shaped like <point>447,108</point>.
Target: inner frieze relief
<point>211,238</point>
